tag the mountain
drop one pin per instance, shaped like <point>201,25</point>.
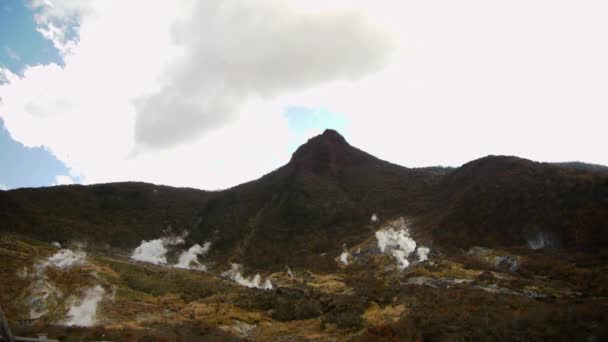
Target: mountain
<point>117,215</point>
<point>304,212</point>
<point>324,197</point>
<point>501,248</point>
<point>583,166</point>
<point>506,201</point>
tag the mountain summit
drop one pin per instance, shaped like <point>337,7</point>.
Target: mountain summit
<point>328,153</point>
<point>322,198</point>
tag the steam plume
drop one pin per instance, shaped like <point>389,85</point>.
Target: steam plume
<point>235,275</point>
<point>189,258</point>
<point>396,240</point>
<point>84,312</point>
<point>66,258</point>
<point>43,295</point>
<point>422,253</point>
<point>155,251</point>
<point>344,258</point>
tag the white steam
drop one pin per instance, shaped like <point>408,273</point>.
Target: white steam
<point>267,285</point>
<point>374,218</point>
<point>391,239</point>
<point>189,258</point>
<point>541,240</point>
<point>43,296</point>
<point>155,251</point>
<point>401,258</point>
<point>84,312</point>
<point>344,258</point>
<point>397,241</point>
<point>422,253</point>
<point>252,282</point>
<point>66,258</point>
<point>289,272</point>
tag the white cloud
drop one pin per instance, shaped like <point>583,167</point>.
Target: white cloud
<point>57,19</point>
<point>12,54</point>
<point>63,180</point>
<point>3,187</point>
<point>471,82</point>
<point>203,89</point>
<point>235,51</point>
<point>194,88</point>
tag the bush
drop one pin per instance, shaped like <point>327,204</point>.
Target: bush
<point>290,310</point>
<point>346,314</point>
<point>343,320</point>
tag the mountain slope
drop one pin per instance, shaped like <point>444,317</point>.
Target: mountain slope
<point>118,214</point>
<point>504,201</point>
<point>305,215</point>
<point>304,212</point>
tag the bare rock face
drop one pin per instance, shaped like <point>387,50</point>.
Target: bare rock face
<point>327,153</point>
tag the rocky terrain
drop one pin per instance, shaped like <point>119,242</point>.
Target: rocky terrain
<point>336,245</point>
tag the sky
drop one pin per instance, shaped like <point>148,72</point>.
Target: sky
<point>210,94</point>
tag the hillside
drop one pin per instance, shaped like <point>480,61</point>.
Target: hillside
<point>76,296</point>
<point>305,211</point>
<point>118,215</point>
<point>336,245</point>
<point>507,201</point>
<point>324,197</point>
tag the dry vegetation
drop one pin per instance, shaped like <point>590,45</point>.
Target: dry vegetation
<point>363,301</point>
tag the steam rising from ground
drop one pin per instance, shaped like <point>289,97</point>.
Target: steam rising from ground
<point>256,282</point>
<point>396,240</point>
<point>155,251</point>
<point>189,258</point>
<point>422,253</point>
<point>67,258</point>
<point>83,313</point>
<point>344,258</point>
<point>541,240</point>
<point>44,296</point>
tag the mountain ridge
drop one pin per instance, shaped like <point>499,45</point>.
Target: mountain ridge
<point>500,247</point>
<point>305,211</point>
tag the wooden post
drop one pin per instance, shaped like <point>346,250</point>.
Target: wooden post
<point>5,330</point>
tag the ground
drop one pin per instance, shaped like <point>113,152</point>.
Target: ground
<point>476,294</point>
